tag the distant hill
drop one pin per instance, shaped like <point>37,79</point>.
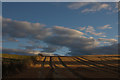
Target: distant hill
<point>14,56</point>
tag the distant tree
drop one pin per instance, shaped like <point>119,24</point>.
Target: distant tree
<point>40,55</point>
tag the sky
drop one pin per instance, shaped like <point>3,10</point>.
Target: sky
<point>60,28</point>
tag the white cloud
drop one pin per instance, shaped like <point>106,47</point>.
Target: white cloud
<point>107,40</point>
<point>92,31</point>
<point>105,27</point>
<point>93,6</point>
<point>81,28</point>
<point>77,5</point>
<point>96,7</point>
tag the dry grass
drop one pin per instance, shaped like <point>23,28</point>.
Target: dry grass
<point>82,67</point>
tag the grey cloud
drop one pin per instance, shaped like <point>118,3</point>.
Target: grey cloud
<point>112,49</point>
<point>22,29</point>
<point>51,48</point>
<point>62,31</point>
<point>24,52</point>
<point>32,46</point>
<point>73,43</point>
<point>79,45</point>
<point>12,39</point>
<point>55,37</point>
<point>17,51</point>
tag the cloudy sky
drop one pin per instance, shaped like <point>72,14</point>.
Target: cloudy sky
<point>63,28</point>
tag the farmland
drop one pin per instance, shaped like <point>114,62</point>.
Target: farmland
<point>13,64</point>
<point>75,67</point>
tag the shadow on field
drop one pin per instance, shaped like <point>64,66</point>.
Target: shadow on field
<point>63,68</point>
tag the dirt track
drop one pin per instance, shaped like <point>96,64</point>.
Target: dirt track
<point>83,67</point>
